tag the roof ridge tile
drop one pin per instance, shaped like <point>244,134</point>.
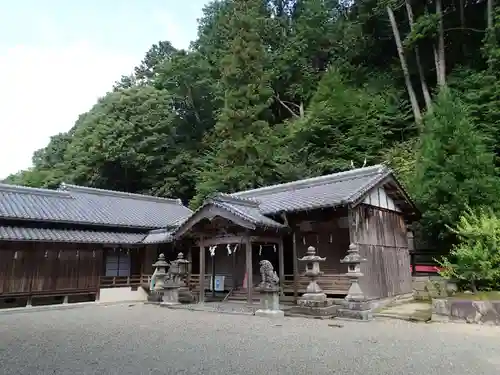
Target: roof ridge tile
<point>34,191</point>
<point>315,181</point>
<point>118,194</point>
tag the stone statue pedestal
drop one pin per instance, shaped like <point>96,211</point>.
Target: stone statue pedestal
<point>270,302</point>
<point>170,295</point>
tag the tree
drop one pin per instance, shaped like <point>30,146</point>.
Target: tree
<point>454,169</point>
<point>345,123</point>
<point>240,153</point>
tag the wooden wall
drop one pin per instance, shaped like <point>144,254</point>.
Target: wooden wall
<point>29,268</point>
<point>328,231</point>
<point>382,239</point>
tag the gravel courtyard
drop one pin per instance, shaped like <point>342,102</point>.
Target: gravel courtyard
<point>145,339</point>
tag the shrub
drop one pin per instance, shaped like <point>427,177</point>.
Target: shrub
<point>476,257</point>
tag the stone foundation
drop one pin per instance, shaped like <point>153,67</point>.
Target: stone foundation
<point>316,305</point>
<point>355,310</point>
<point>428,287</point>
<point>466,311</point>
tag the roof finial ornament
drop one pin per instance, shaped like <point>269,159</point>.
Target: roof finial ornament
<point>353,167</point>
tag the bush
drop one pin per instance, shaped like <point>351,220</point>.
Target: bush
<point>476,258</point>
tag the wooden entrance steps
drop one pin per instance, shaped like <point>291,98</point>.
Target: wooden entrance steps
<point>241,295</point>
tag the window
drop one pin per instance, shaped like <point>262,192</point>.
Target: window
<point>117,264</point>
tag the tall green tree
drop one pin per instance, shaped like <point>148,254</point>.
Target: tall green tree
<point>241,142</point>
<point>454,169</point>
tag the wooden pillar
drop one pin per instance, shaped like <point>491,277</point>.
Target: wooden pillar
<point>202,271</point>
<point>190,266</point>
<point>248,250</point>
<point>295,269</point>
<point>281,265</point>
<point>213,276</point>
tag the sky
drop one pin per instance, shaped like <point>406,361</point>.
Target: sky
<point>57,57</point>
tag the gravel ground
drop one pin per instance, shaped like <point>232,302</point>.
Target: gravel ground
<point>145,339</point>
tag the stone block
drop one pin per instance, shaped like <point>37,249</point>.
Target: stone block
<point>469,311</point>
<point>319,309</point>
<point>273,314</point>
<point>355,314</point>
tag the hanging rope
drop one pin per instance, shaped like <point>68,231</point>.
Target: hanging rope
<point>274,247</point>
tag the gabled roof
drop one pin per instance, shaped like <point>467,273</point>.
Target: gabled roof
<point>243,212</point>
<point>318,192</point>
<point>83,205</point>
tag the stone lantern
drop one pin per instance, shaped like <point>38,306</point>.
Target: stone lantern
<point>160,273</point>
<point>355,304</point>
<point>314,302</point>
<point>179,269</point>
<point>353,260</point>
<point>312,261</point>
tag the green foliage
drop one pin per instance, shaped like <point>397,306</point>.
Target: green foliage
<point>276,90</point>
<point>425,27</point>
<point>476,257</point>
<point>454,169</point>
<point>402,158</point>
<point>345,123</point>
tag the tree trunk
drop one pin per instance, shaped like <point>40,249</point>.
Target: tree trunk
<point>462,25</point>
<point>411,93</point>
<point>441,50</point>
<point>489,10</point>
<point>473,286</point>
<point>423,82</point>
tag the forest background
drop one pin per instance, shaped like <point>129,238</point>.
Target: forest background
<point>276,90</point>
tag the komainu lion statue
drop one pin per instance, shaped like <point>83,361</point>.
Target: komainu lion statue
<point>268,275</point>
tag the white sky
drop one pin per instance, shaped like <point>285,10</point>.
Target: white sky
<point>53,76</point>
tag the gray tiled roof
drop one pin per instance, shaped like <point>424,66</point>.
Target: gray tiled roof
<point>158,236</point>
<point>244,208</point>
<point>324,191</point>
<point>68,235</point>
<point>76,204</point>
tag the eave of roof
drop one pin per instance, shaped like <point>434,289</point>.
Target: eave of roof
<point>158,236</point>
<point>69,236</point>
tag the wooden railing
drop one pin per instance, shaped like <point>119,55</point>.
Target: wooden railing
<point>194,282</point>
<point>121,281</point>
<point>331,284</point>
<point>423,262</point>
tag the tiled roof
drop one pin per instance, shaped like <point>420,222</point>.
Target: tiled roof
<point>158,236</point>
<point>317,192</point>
<point>68,235</point>
<point>244,208</point>
<point>76,204</point>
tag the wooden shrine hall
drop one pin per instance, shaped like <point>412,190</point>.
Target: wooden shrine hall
<point>234,232</point>
<point>79,241</point>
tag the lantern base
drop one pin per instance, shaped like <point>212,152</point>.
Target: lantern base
<point>273,314</point>
<point>315,305</point>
